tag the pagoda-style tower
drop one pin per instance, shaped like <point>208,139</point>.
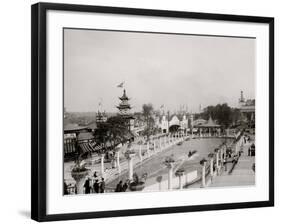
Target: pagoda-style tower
<point>124,110</point>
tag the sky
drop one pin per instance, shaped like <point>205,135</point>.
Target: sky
<point>162,69</point>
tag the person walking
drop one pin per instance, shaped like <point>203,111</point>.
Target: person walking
<point>87,186</point>
<point>96,186</point>
<point>124,187</point>
<point>65,188</point>
<point>102,185</point>
<point>225,164</point>
<point>119,187</point>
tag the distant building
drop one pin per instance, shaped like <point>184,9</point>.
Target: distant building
<point>175,122</point>
<point>100,118</point>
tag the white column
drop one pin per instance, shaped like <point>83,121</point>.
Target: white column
<point>203,175</point>
<point>102,165</point>
<point>118,161</point>
<point>212,166</point>
<point>148,150</point>
<point>170,178</point>
<point>217,162</point>
<point>130,166</point>
<point>227,132</point>
<point>140,153</point>
<point>180,182</point>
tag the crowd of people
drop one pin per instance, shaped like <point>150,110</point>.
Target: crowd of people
<point>92,185</point>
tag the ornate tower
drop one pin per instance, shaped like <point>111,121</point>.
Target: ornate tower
<point>124,110</point>
<point>124,106</point>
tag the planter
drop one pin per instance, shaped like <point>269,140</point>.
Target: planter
<point>79,174</point>
<point>79,177</point>
<point>137,186</point>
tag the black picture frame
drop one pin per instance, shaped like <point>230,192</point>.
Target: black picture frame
<point>39,107</point>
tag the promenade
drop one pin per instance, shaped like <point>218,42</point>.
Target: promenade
<point>242,174</point>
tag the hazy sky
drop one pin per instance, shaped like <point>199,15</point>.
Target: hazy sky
<point>157,68</point>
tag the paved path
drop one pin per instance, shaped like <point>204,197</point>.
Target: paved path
<point>242,174</point>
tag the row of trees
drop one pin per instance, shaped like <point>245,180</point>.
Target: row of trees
<point>223,114</point>
<point>147,112</point>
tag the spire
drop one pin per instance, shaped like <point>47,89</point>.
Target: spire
<point>124,97</point>
<point>242,99</point>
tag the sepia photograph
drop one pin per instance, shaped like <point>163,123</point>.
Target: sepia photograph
<point>151,112</point>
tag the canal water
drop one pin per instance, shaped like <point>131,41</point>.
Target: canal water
<point>155,167</point>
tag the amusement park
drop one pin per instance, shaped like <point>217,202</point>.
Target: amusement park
<point>155,150</point>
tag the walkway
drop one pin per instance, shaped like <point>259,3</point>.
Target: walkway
<point>242,174</point>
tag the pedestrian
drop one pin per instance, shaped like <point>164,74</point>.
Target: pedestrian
<point>225,164</point>
<point>124,187</point>
<point>102,185</point>
<point>87,186</point>
<point>119,187</point>
<point>239,153</point>
<point>96,186</point>
<point>95,175</point>
<point>65,188</point>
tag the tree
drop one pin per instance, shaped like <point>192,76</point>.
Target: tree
<point>147,110</point>
<point>111,133</point>
<point>222,113</point>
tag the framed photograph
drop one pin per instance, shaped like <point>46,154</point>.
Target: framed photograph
<point>140,111</point>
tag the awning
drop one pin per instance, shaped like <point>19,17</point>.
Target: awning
<point>89,147</point>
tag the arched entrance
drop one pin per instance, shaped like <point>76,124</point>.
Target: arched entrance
<point>174,128</point>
